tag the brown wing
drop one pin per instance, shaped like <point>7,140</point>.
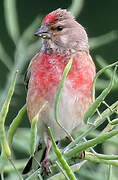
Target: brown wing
<point>27,77</point>
<point>28,72</point>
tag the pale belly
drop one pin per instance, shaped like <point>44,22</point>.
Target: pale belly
<point>71,111</point>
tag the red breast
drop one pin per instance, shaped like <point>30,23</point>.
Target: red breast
<point>46,74</point>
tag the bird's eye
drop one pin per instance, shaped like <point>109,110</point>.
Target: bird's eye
<point>59,28</point>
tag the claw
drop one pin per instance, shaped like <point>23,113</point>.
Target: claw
<point>44,165</point>
<point>69,139</point>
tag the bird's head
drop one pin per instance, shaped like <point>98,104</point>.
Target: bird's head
<point>62,32</point>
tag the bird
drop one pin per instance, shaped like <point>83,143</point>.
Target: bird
<point>62,38</point>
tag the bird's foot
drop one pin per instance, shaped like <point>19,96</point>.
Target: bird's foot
<point>45,167</point>
<point>69,139</point>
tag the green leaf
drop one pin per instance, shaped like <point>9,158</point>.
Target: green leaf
<point>58,96</point>
<point>14,125</point>
<point>99,99</point>
<point>5,147</point>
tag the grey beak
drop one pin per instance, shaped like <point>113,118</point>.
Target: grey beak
<point>42,32</point>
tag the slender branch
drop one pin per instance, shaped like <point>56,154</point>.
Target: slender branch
<point>114,122</point>
<point>61,169</point>
<point>106,157</point>
<point>76,7</point>
<point>91,143</point>
<point>34,129</point>
<point>33,175</point>
<point>4,57</point>
<point>100,98</point>
<point>11,19</point>
<point>58,96</point>
<point>33,134</point>
<point>5,147</point>
<point>15,123</point>
<point>61,159</point>
<point>99,73</point>
<point>109,172</point>
<point>91,127</point>
<point>103,63</point>
<point>74,168</point>
<point>93,158</point>
<point>96,42</point>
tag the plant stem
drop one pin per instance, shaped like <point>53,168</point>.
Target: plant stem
<point>91,127</point>
<point>4,143</point>
<point>58,96</point>
<point>91,143</point>
<point>93,158</point>
<point>61,159</point>
<point>15,123</point>
<point>100,98</point>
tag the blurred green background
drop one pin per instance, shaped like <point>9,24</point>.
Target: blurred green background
<point>18,44</point>
<point>98,18</point>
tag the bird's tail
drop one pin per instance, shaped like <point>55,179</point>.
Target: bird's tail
<point>34,161</point>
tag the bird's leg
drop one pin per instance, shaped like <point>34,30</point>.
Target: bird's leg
<point>46,160</point>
